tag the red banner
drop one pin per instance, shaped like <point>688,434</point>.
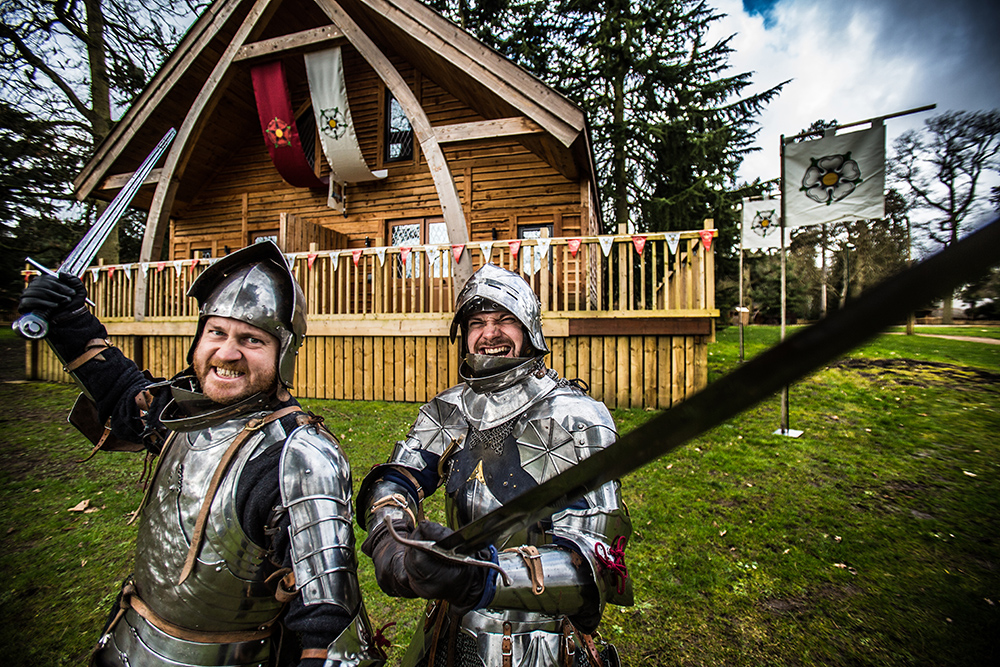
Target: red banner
<point>357,255</point>
<point>514,247</point>
<point>706,237</point>
<point>274,108</point>
<point>456,251</point>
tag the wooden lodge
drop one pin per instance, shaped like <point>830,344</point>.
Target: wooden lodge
<point>463,158</point>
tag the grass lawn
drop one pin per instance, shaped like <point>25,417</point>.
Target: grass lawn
<point>873,539</point>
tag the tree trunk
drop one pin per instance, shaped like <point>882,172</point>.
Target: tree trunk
<point>100,96</point>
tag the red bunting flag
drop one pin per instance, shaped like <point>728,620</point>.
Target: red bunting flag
<point>706,237</point>
<point>456,251</point>
<point>160,266</point>
<point>574,246</point>
<point>357,255</point>
<point>639,242</point>
<point>311,258</point>
<point>111,271</point>
<point>514,247</point>
<point>404,254</point>
<point>194,263</point>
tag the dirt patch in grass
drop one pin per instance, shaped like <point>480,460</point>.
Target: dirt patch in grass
<point>19,465</point>
<point>799,604</point>
<point>912,372</point>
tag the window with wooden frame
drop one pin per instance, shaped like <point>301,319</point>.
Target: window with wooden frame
<point>413,232</point>
<point>201,253</point>
<point>397,132</point>
<point>532,261</point>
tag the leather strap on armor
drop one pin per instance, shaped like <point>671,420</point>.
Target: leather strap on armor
<point>592,654</point>
<point>92,349</point>
<point>199,527</point>
<point>395,500</point>
<point>313,653</point>
<point>533,561</point>
<point>568,648</point>
<point>507,645</point>
<point>132,601</point>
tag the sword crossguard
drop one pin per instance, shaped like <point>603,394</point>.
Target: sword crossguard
<point>450,555</point>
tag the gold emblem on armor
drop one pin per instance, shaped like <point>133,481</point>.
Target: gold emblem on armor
<point>477,474</point>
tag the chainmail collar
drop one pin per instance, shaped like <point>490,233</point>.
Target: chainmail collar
<point>492,400</point>
<point>190,410</point>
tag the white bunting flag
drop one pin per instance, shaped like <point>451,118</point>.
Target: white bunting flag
<point>487,248</point>
<point>380,253</point>
<point>606,243</point>
<point>127,270</point>
<point>673,241</point>
<point>761,224</point>
<point>543,247</point>
<point>95,273</point>
<point>335,259</point>
<point>178,267</point>
<point>838,178</point>
<point>434,259</point>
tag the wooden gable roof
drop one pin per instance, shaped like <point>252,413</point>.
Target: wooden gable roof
<point>550,125</point>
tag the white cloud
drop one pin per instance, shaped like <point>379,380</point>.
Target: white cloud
<point>857,59</point>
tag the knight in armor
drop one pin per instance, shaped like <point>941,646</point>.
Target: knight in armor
<point>510,425</point>
<point>245,549</point>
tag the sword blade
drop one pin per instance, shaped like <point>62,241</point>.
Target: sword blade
<point>765,374</point>
<point>83,254</point>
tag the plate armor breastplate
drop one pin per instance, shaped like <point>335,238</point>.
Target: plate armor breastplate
<point>226,590</point>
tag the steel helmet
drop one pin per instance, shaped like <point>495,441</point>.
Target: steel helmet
<point>494,286</point>
<point>255,285</point>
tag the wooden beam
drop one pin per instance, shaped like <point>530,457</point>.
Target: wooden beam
<point>118,181</point>
<point>187,136</point>
<point>486,129</point>
<point>451,203</point>
<point>299,42</point>
<point>640,326</point>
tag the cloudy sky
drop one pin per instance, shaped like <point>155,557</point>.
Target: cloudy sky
<point>855,59</point>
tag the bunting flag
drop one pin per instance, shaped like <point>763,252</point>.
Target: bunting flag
<point>487,248</point>
<point>673,241</point>
<point>543,247</point>
<point>761,225</point>
<point>274,108</point>
<point>328,89</point>
<point>514,247</point>
<point>706,237</point>
<point>639,242</point>
<point>606,243</point>
<point>380,253</point>
<point>404,254</point>
<point>95,273</point>
<point>434,259</point>
<point>194,263</point>
<point>310,259</point>
<point>160,266</point>
<point>127,270</point>
<point>335,259</point>
<point>574,246</point>
<point>178,267</point>
<point>111,271</point>
<point>838,178</point>
<point>456,251</point>
<point>356,254</point>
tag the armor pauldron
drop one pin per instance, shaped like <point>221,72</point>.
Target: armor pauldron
<point>568,583</point>
<point>355,647</point>
<point>315,485</point>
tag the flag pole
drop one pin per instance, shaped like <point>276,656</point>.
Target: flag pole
<point>783,427</point>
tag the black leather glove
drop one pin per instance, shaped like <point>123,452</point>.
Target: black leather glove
<point>387,557</point>
<point>54,297</point>
<point>435,578</point>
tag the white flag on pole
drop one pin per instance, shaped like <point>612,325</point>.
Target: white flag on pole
<point>838,178</point>
<point>761,224</point>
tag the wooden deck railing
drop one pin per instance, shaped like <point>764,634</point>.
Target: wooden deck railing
<point>628,275</point>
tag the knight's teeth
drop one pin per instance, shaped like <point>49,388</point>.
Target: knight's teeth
<point>226,373</point>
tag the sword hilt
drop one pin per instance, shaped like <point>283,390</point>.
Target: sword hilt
<point>31,326</point>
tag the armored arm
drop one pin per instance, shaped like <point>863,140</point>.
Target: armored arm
<point>315,486</point>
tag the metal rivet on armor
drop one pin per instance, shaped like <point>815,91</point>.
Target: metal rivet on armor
<point>308,471</point>
<point>218,568</point>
